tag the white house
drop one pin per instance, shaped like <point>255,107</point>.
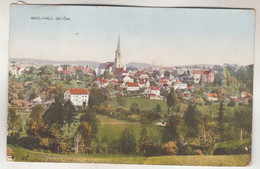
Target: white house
<point>108,66</point>
<point>101,83</point>
<point>153,90</point>
<point>132,86</point>
<point>16,71</point>
<point>211,96</point>
<point>180,85</point>
<point>59,68</point>
<point>77,96</point>
<point>127,78</point>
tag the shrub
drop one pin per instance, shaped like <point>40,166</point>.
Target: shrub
<point>198,152</point>
<point>233,147</point>
<point>170,148</point>
<point>185,150</point>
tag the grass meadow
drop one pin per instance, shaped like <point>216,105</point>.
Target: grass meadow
<point>20,154</point>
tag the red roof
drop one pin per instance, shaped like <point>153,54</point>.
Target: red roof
<point>163,81</point>
<point>64,72</point>
<point>197,71</point>
<point>167,68</point>
<point>154,88</point>
<point>189,87</point>
<point>78,91</point>
<point>118,71</point>
<point>132,84</point>
<point>211,94</point>
<point>207,72</point>
<point>102,80</point>
<point>138,73</point>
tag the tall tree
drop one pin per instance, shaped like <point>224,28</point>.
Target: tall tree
<point>128,141</point>
<point>96,97</point>
<point>87,129</point>
<point>172,100</point>
<point>69,115</point>
<point>207,135</point>
<point>243,120</point>
<point>170,132</point>
<point>192,119</point>
<point>54,114</point>
<point>143,141</point>
<point>36,128</point>
<point>220,119</point>
<point>14,122</point>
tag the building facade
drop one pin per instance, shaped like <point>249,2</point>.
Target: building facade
<point>77,96</point>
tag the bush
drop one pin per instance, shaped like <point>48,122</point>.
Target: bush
<point>25,142</point>
<point>223,151</point>
<point>233,147</point>
<point>198,152</point>
<point>170,148</point>
<point>185,150</point>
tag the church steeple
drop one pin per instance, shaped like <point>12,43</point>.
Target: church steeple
<point>118,43</point>
<point>118,57</point>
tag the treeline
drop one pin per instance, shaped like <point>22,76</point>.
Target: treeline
<point>192,133</point>
<point>45,129</point>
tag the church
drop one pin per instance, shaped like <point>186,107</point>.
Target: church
<point>112,66</point>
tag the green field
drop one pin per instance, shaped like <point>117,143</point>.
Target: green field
<point>143,103</point>
<point>20,154</point>
<point>109,127</point>
<point>112,128</point>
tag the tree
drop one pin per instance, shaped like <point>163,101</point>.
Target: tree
<point>120,100</point>
<point>158,108</point>
<point>54,114</point>
<point>143,141</point>
<point>220,119</point>
<point>87,129</point>
<point>107,75</point>
<point>147,146</point>
<point>243,120</point>
<point>192,119</point>
<point>36,128</point>
<point>170,132</point>
<point>96,97</point>
<point>69,115</point>
<point>170,148</point>
<point>56,91</point>
<point>171,100</point>
<point>207,136</point>
<point>134,109</point>
<point>14,122</point>
<point>127,141</point>
<point>167,74</point>
<point>14,90</point>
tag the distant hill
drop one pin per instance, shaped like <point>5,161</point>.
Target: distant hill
<point>42,61</point>
<point>141,65</point>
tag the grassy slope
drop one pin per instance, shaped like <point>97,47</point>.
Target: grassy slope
<point>231,160</point>
<point>112,128</point>
<point>143,103</point>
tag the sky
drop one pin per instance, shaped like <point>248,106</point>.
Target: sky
<point>158,36</point>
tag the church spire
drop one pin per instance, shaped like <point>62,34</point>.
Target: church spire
<point>118,57</point>
<point>118,43</point>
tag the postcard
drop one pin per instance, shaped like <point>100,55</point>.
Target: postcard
<point>130,85</point>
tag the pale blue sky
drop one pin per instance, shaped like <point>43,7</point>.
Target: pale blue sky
<point>161,36</point>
